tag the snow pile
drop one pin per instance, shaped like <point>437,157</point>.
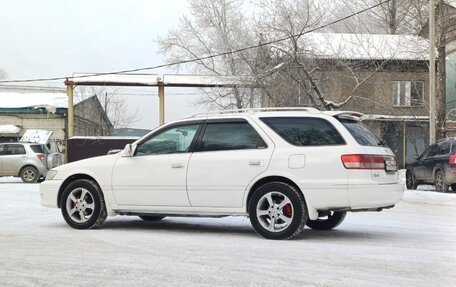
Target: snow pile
<point>49,101</point>
<point>9,129</point>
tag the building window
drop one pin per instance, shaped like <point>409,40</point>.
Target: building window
<point>408,93</point>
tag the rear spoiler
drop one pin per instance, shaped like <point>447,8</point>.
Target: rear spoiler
<point>348,115</point>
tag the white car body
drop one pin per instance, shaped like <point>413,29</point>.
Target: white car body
<point>219,183</point>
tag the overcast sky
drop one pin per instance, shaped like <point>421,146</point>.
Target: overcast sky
<point>53,38</point>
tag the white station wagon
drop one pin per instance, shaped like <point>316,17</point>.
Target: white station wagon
<point>283,168</point>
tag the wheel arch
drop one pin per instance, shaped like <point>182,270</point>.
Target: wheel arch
<point>437,168</point>
<point>277,178</point>
<point>71,179</point>
<point>27,165</point>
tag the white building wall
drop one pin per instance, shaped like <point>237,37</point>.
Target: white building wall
<point>50,122</point>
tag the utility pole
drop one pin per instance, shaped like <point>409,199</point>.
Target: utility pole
<point>432,108</point>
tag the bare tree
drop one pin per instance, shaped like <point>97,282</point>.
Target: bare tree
<point>392,17</point>
<point>213,27</point>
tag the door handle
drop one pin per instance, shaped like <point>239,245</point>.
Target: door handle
<point>177,165</point>
<point>255,162</point>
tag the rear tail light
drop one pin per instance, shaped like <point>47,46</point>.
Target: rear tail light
<point>41,156</point>
<point>363,161</point>
<point>452,160</point>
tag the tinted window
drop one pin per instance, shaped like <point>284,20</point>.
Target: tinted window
<point>361,133</point>
<point>37,148</point>
<point>2,149</point>
<point>425,153</point>
<point>444,148</point>
<point>302,131</point>
<point>173,140</point>
<point>434,150</point>
<point>230,136</point>
<point>14,149</point>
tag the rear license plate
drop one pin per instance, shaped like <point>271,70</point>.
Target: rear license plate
<point>390,165</point>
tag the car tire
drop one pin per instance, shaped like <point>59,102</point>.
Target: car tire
<point>29,174</point>
<point>410,180</point>
<point>332,220</point>
<point>82,204</point>
<point>151,217</point>
<point>440,184</point>
<point>278,210</point>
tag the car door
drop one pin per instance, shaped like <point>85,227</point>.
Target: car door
<point>13,159</point>
<point>419,169</point>
<point>429,162</point>
<point>230,154</point>
<point>156,174</point>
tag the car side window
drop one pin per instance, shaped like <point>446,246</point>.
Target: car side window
<point>305,131</point>
<point>444,148</point>
<point>173,140</point>
<point>2,149</point>
<point>230,136</point>
<point>433,151</point>
<point>14,149</point>
<point>425,153</point>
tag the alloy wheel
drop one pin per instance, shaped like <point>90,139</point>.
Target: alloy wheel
<point>80,205</point>
<point>274,211</point>
<point>29,175</point>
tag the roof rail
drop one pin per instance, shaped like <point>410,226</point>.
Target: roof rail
<point>254,110</point>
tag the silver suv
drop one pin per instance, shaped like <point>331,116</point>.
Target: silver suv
<point>30,161</point>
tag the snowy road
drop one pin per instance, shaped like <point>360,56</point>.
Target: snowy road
<point>413,244</point>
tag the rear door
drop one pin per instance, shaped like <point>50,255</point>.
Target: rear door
<point>429,162</point>
<point>231,153</point>
<point>420,169</point>
<point>440,160</point>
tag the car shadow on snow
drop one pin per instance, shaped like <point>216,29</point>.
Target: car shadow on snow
<point>184,225</point>
<point>218,226</point>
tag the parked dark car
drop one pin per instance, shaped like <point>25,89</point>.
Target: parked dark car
<point>436,165</point>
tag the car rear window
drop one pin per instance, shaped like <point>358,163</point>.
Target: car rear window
<point>37,148</point>
<point>361,133</point>
<point>305,131</point>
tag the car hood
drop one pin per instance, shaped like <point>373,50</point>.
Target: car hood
<point>92,166</point>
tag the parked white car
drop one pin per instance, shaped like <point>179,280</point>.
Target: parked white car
<point>284,169</point>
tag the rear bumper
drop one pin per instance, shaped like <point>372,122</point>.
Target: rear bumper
<point>450,176</point>
<point>371,196</point>
<point>49,191</point>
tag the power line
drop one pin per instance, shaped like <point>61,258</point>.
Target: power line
<point>196,59</point>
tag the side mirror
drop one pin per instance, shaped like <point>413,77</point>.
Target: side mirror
<point>128,151</point>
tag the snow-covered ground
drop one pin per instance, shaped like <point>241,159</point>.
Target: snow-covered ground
<point>413,244</point>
